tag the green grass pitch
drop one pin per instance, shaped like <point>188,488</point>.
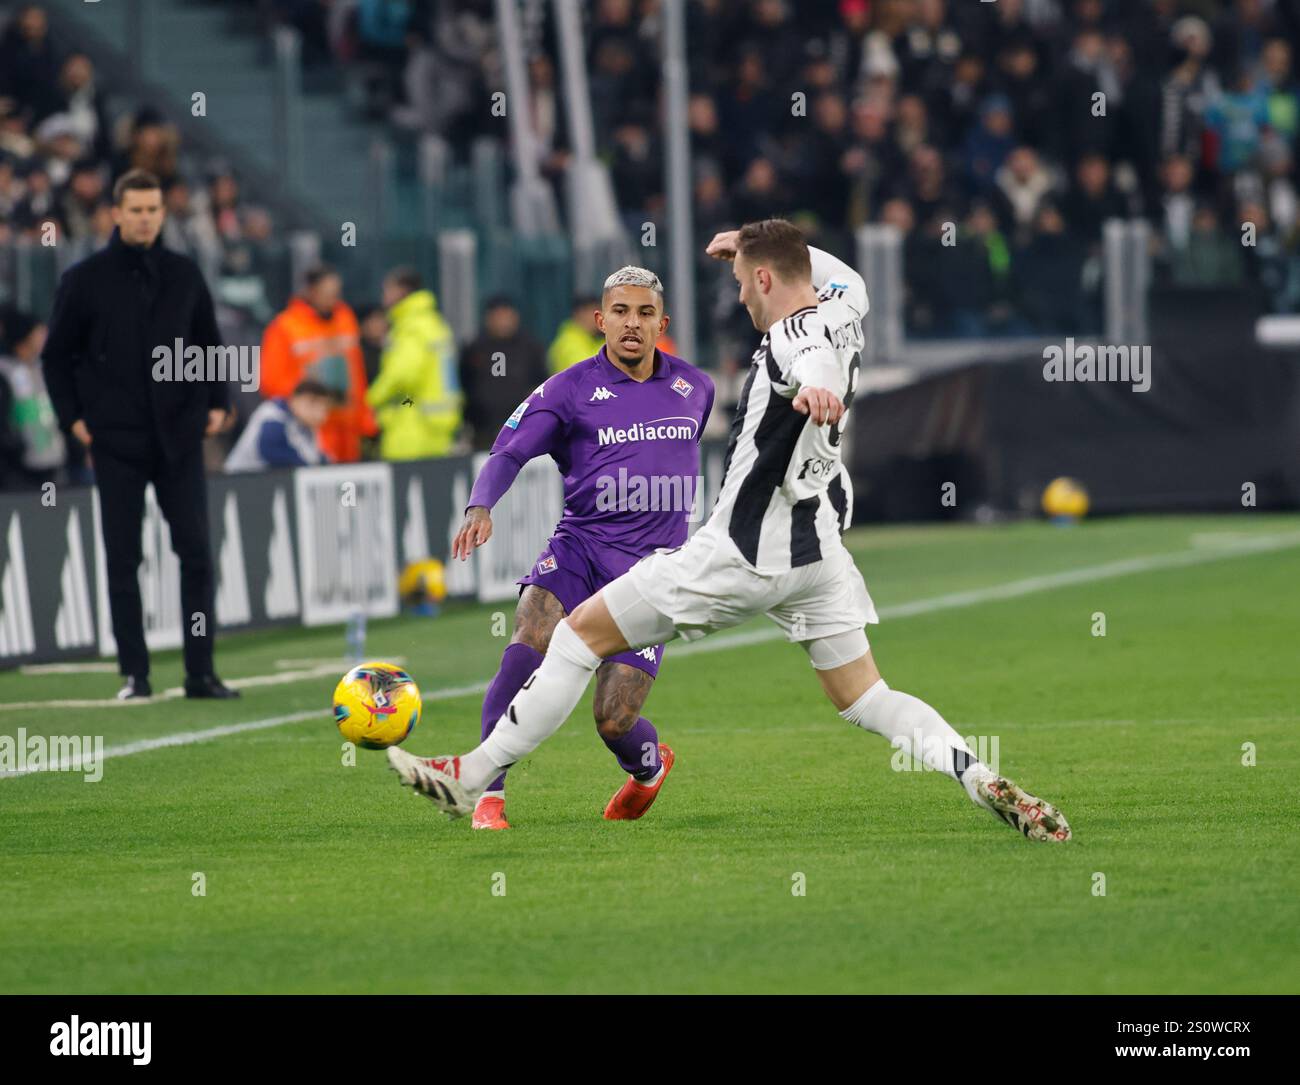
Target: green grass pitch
<point>327,878</point>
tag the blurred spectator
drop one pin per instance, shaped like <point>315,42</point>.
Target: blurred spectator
<point>379,31</point>
<point>189,228</point>
<point>1022,184</point>
<point>578,337</point>
<point>373,322</point>
<point>444,78</point>
<point>1210,259</point>
<point>1178,205</point>
<point>39,203</point>
<point>928,188</point>
<point>416,397</point>
<point>151,144</point>
<point>822,170</point>
<point>1048,273</point>
<point>635,173</point>
<point>1235,123</point>
<point>81,102</point>
<point>283,431</point>
<point>28,65</point>
<point>989,142</point>
<point>1188,89</point>
<point>1029,91</point>
<point>759,194</point>
<point>1093,199</point>
<point>31,446</point>
<point>1280,87</point>
<point>498,371</point>
<point>316,337</point>
<point>84,193</point>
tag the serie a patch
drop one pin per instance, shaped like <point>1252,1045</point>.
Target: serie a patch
<point>513,420</point>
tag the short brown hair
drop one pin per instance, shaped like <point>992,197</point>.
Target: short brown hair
<point>134,181</point>
<point>779,245</point>
<point>309,386</point>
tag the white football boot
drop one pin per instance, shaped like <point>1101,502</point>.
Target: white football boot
<point>437,778</point>
<point>1030,816</point>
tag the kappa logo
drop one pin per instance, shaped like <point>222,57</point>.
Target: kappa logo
<point>647,653</point>
<point>601,394</point>
<point>548,564</point>
<point>683,387</point>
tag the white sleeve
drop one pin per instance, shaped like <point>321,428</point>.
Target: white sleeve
<point>816,365</point>
<point>834,278</point>
<point>803,353</point>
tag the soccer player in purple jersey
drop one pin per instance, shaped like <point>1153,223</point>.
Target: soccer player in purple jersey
<point>624,429</point>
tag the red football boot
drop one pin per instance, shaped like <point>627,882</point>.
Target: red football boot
<point>634,798</point>
<point>490,813</point>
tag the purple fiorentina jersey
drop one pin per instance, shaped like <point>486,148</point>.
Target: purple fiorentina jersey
<point>628,450</point>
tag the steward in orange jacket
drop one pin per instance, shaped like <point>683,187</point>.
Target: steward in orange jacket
<point>317,336</point>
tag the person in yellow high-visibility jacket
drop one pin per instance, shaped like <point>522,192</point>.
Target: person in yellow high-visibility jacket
<point>416,396</point>
<point>578,338</point>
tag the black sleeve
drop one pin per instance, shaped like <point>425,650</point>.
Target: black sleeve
<point>206,333</point>
<point>63,349</point>
<point>469,384</point>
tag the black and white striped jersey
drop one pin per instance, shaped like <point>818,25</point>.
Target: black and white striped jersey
<point>784,498</point>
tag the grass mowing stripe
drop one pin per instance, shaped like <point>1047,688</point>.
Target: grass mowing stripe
<point>1011,590</point>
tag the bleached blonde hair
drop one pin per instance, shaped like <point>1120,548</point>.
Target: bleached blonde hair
<point>634,276</point>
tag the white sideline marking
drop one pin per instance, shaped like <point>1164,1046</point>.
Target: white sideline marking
<point>189,738</point>
<point>68,668</point>
<point>321,670</point>
<point>954,600</point>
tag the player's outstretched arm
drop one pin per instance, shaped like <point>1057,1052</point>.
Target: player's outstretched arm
<point>474,532</point>
<point>526,435</point>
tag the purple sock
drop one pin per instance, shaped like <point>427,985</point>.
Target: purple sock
<point>518,662</point>
<point>638,750</point>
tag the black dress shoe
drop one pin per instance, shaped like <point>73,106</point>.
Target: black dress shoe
<point>136,688</point>
<point>208,685</point>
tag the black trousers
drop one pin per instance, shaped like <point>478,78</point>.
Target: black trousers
<point>121,474</point>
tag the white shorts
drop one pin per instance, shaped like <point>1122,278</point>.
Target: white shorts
<point>705,585</point>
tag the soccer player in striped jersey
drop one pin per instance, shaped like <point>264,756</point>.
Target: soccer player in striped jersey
<point>771,546</point>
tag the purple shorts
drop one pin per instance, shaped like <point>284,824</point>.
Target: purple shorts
<point>570,572</point>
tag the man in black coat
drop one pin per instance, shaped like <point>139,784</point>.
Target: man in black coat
<point>118,315</point>
<point>500,369</point>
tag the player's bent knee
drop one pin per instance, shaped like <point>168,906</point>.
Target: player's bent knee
<point>592,622</point>
<point>828,653</point>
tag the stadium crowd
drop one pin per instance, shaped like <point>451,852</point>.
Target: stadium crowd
<point>1024,124</point>
<point>1013,129</point>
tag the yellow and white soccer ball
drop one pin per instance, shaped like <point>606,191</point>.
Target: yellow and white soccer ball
<point>376,705</point>
<point>1065,499</point>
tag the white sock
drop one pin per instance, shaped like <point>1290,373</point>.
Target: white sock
<point>904,719</point>
<point>547,698</point>
<point>653,779</point>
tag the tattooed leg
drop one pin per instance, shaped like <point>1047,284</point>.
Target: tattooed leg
<point>621,693</point>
